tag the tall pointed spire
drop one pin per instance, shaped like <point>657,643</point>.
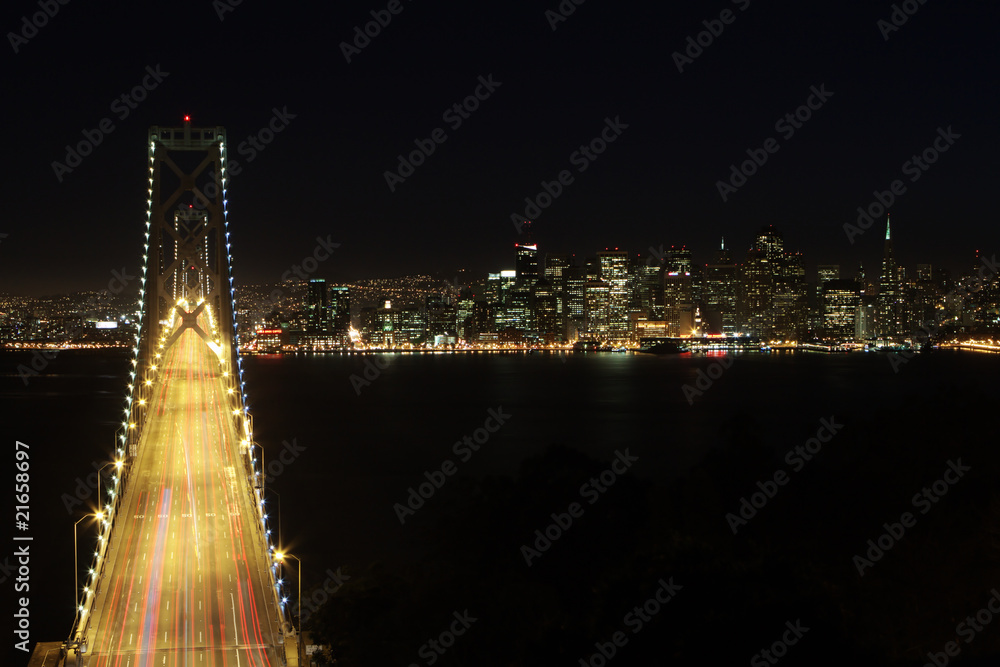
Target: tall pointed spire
<point>889,315</point>
<point>723,246</point>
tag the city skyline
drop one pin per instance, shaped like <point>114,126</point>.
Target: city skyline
<point>652,254</point>
<point>602,132</point>
<point>612,297</point>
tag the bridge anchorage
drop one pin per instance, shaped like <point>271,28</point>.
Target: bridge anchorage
<point>184,568</point>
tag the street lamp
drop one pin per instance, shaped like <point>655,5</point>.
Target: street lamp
<point>258,485</point>
<point>280,557</point>
<point>279,515</point>
<point>76,566</point>
<point>100,485</point>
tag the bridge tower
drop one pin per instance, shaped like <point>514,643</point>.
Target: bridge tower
<point>187,265</point>
<point>186,283</point>
<point>188,246</point>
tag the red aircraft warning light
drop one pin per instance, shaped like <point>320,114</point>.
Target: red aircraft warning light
<point>187,118</point>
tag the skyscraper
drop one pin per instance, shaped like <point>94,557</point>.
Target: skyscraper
<point>760,274</point>
<point>441,317</point>
<point>526,261</point>
<point>889,291</point>
<point>557,273</point>
<point>316,307</point>
<point>614,274</point>
<point>340,311</point>
<point>598,310</point>
<point>555,266</point>
<point>576,302</point>
<point>546,316</point>
<point>647,289</point>
<point>722,292</point>
<point>841,299</point>
<point>677,259</point>
<point>774,294</point>
<point>790,302</point>
<point>677,301</point>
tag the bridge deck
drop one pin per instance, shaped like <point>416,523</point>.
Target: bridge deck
<point>186,578</point>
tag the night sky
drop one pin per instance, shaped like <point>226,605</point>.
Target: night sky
<point>323,174</point>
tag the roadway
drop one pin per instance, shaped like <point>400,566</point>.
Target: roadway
<point>186,579</point>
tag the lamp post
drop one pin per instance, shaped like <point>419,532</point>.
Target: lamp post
<point>76,566</point>
<point>279,556</point>
<point>251,445</point>
<point>100,485</point>
<point>279,516</point>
